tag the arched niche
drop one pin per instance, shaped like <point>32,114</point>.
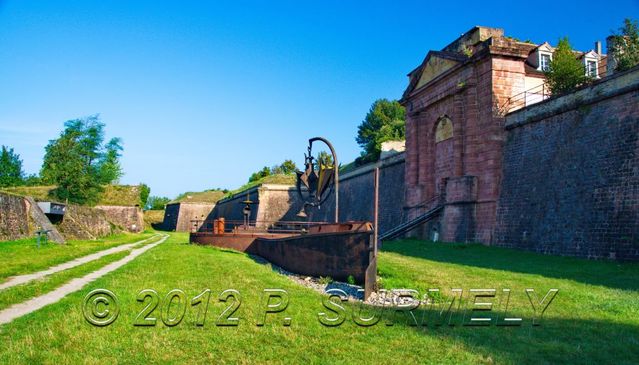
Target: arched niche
<point>444,129</point>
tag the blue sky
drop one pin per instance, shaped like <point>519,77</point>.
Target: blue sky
<point>204,93</point>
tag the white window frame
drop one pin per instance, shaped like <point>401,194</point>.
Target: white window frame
<point>541,65</point>
<point>594,60</point>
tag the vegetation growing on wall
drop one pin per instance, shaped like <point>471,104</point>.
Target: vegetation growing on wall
<point>625,48</point>
<point>565,72</point>
<point>287,167</point>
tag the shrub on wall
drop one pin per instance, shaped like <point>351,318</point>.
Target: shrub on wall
<point>565,72</point>
<point>625,48</point>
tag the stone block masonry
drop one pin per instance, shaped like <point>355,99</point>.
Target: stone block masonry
<point>571,173</point>
<point>271,203</point>
<point>127,218</point>
<point>21,217</point>
<point>357,194</point>
<point>14,218</point>
<point>178,216</point>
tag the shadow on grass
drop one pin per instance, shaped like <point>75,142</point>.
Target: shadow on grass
<point>556,340</point>
<point>595,272</point>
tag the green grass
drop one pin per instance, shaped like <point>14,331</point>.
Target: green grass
<point>208,196</point>
<point>21,293</point>
<point>128,195</point>
<point>271,179</point>
<point>23,256</point>
<point>594,319</point>
<point>40,193</point>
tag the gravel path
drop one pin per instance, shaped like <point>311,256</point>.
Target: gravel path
<point>22,279</point>
<point>31,305</point>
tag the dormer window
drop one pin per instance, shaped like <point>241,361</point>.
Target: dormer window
<point>591,68</point>
<point>544,61</point>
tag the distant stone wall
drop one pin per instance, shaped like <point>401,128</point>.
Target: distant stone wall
<point>14,218</point>
<point>21,217</point>
<point>356,197</point>
<point>271,203</point>
<point>179,216</point>
<point>85,223</point>
<point>127,218</point>
<point>571,173</point>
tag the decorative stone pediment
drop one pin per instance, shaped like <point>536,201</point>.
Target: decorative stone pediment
<point>592,55</point>
<point>434,65</point>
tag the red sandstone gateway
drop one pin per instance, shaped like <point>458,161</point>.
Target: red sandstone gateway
<point>338,250</point>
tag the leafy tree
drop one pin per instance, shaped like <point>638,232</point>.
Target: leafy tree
<point>626,46</point>
<point>276,170</point>
<point>10,168</point>
<point>156,202</point>
<point>264,172</point>
<point>110,169</point>
<point>288,167</point>
<point>324,158</point>
<point>385,121</point>
<point>565,71</point>
<point>145,190</point>
<point>79,163</point>
<point>32,180</point>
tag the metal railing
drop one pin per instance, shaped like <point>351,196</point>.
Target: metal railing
<point>407,226</point>
<point>257,226</point>
<point>541,92</point>
<point>427,203</point>
<point>529,97</point>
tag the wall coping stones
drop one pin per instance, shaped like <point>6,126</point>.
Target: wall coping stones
<point>257,188</point>
<point>608,87</point>
<point>365,169</point>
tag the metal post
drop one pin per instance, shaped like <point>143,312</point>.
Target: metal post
<point>375,211</point>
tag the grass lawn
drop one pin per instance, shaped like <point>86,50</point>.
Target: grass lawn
<point>24,256</point>
<point>21,293</point>
<point>593,319</point>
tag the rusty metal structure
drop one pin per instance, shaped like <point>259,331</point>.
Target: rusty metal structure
<point>318,182</point>
<point>338,250</point>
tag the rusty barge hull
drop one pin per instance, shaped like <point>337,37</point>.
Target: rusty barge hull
<point>329,250</point>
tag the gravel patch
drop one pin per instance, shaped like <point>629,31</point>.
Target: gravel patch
<point>381,297</point>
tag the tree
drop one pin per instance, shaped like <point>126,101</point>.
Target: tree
<point>324,158</point>
<point>78,162</point>
<point>288,167</point>
<point>385,121</point>
<point>625,48</point>
<point>145,190</point>
<point>264,172</point>
<point>110,169</point>
<point>565,72</point>
<point>10,168</point>
<point>32,180</point>
<point>156,202</point>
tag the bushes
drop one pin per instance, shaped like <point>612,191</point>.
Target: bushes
<point>565,72</point>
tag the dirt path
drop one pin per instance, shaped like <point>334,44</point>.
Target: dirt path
<point>31,305</point>
<point>21,279</point>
